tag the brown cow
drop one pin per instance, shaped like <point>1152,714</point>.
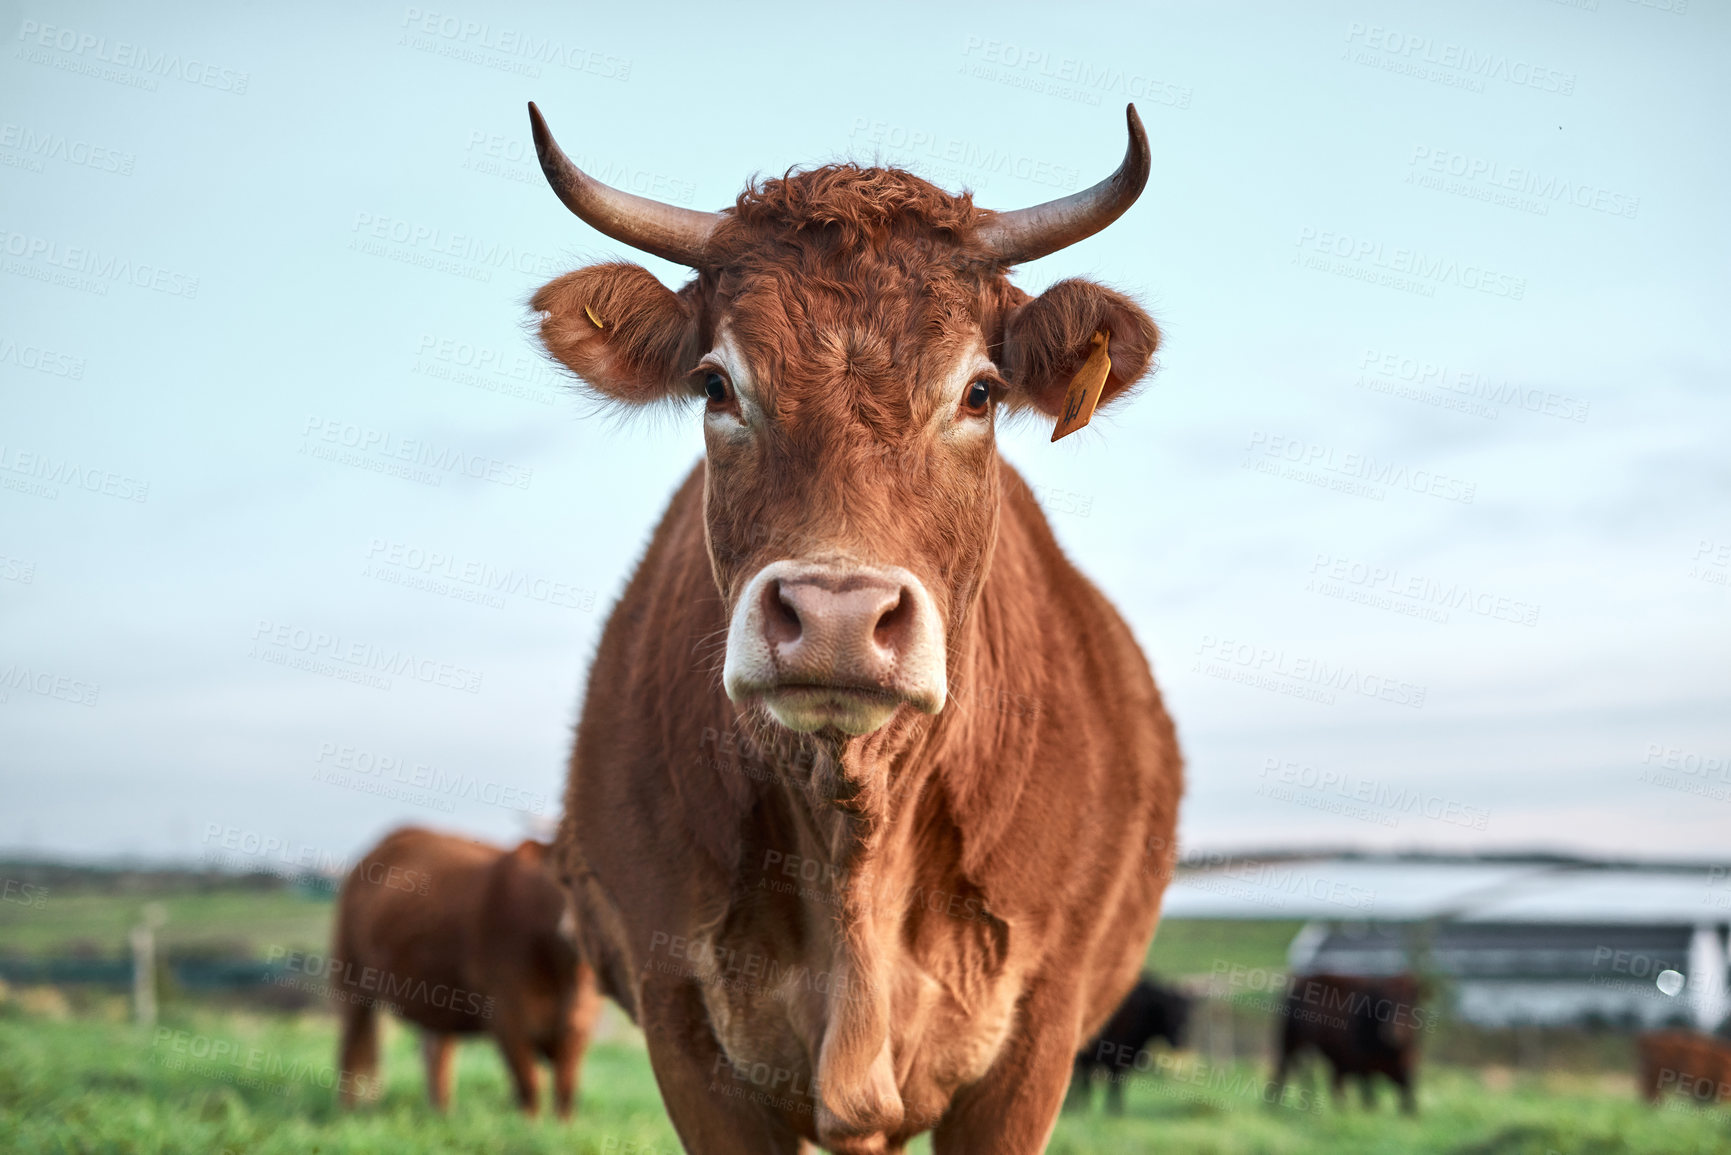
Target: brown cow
<point>1363,1026</point>
<point>859,789</point>
<point>461,938</point>
<point>1698,1066</point>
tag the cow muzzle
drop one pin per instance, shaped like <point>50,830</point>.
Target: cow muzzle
<point>843,646</point>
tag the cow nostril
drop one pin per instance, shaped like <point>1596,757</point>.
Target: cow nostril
<point>894,622</point>
<point>781,618</point>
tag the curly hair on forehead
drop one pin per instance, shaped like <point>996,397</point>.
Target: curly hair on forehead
<point>860,200</point>
<point>878,249</point>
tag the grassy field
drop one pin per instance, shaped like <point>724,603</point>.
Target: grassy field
<point>251,922</point>
<point>239,922</point>
<point>1199,946</point>
<point>237,1082</point>
<point>75,1076</point>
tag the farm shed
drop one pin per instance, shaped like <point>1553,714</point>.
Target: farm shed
<point>1540,941</point>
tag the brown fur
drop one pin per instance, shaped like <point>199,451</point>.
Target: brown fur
<point>976,906</point>
<point>461,938</point>
<point>1695,1065</point>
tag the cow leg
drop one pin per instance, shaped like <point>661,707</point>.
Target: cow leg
<point>1278,1083</point>
<point>690,1069</point>
<point>358,1053</point>
<point>1013,1109</point>
<point>438,1050</point>
<point>1339,1089</point>
<point>1289,1053</point>
<point>567,1052</point>
<point>520,1060</point>
<point>1115,1090</point>
<point>566,1058</point>
<point>1367,1091</point>
<point>1403,1080</point>
<point>1649,1077</point>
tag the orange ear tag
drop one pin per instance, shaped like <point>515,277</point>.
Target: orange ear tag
<point>1085,388</point>
<point>593,317</point>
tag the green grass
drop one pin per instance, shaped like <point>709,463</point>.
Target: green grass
<point>251,921</point>
<point>84,1085</point>
<point>233,921</point>
<point>90,1082</point>
<point>1200,946</point>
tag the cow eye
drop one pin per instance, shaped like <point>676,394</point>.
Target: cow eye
<point>715,388</point>
<point>978,397</point>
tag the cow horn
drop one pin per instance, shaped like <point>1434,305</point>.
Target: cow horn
<point>679,235</point>
<point>1025,234</point>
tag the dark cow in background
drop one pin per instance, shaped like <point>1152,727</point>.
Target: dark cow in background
<point>1363,1026</point>
<point>1149,1012</point>
<point>461,938</point>
<point>1695,1065</point>
<point>853,644</point>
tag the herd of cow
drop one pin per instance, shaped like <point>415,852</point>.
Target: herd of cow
<point>857,818</point>
<point>496,955</point>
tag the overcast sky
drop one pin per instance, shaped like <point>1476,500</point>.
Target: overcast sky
<point>1423,521</point>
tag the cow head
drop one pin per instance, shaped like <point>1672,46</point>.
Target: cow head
<point>853,336</point>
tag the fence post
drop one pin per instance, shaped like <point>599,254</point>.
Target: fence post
<point>154,916</point>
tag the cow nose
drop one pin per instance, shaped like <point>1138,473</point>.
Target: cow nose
<point>832,645</point>
<point>865,624</point>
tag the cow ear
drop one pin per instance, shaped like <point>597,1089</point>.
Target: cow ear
<point>1046,340</point>
<point>618,328</point>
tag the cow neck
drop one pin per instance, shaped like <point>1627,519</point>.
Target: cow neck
<point>843,797</point>
<point>860,835</point>
<point>923,792</point>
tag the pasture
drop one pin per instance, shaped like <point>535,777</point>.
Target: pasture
<point>222,1075</point>
<point>82,1084</point>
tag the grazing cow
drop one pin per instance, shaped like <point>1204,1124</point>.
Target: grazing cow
<point>1150,1011</point>
<point>860,785</point>
<point>1363,1026</point>
<point>461,938</point>
<point>1698,1066</point>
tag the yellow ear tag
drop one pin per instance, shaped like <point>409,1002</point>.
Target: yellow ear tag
<point>593,317</point>
<point>1085,387</point>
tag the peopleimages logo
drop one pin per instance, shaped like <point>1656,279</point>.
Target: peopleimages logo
<point>356,661</point>
<point>47,684</point>
<point>514,49</point>
<point>1355,469</point>
<point>1297,675</point>
<point>442,250</point>
<point>84,52</point>
<point>1393,49</point>
<point>1470,384</point>
<point>514,158</point>
<point>1066,77</point>
<point>1368,257</point>
<point>36,147</point>
<point>371,772</point>
<point>45,253</point>
<point>1389,586</point>
<point>326,437</point>
<point>48,471</point>
<point>40,359</point>
<point>926,145</point>
<point>1543,187</point>
<point>480,578</point>
<point>1372,793</point>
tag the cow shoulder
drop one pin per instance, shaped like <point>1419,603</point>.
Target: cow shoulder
<point>653,709</point>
